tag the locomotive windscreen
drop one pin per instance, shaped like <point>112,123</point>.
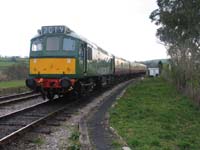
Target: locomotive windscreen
<point>53,43</point>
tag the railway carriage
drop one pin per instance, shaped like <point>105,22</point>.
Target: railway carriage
<point>122,69</point>
<point>121,66</point>
<point>62,61</point>
<point>137,69</point>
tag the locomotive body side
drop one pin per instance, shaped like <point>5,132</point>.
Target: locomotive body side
<point>95,61</point>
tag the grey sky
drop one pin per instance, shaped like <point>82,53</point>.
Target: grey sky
<point>121,27</point>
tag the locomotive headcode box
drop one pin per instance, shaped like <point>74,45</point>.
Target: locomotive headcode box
<point>55,29</point>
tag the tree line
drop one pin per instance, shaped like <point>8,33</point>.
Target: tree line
<point>178,24</point>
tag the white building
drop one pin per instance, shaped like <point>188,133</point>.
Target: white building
<point>153,72</point>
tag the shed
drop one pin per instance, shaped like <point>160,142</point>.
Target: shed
<point>152,72</point>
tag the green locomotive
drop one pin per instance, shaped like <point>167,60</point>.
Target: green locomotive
<point>61,61</point>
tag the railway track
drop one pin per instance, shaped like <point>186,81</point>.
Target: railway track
<point>18,122</point>
<point>18,97</point>
<point>15,95</point>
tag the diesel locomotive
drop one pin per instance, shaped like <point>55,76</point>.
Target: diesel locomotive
<point>62,61</point>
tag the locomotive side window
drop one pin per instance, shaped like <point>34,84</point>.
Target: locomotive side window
<point>37,45</point>
<point>89,53</point>
<point>68,44</point>
<point>52,43</point>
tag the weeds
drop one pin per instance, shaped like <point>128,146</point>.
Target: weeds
<point>74,138</point>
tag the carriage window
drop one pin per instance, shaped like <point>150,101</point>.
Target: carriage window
<point>52,43</point>
<point>68,44</point>
<point>37,45</point>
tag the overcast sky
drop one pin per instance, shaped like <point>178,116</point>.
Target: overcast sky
<point>121,27</point>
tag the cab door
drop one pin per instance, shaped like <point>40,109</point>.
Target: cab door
<point>84,51</point>
<point>85,60</point>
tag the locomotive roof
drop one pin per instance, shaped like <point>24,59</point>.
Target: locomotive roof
<point>61,29</point>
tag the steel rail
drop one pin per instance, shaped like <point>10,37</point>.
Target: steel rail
<point>15,95</point>
<point>33,119</point>
<point>22,130</point>
<point>19,99</point>
<point>22,110</point>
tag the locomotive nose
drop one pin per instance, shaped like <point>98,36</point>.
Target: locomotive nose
<point>65,83</point>
<point>31,83</point>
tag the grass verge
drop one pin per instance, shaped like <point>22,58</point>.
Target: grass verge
<point>9,87</point>
<point>152,115</point>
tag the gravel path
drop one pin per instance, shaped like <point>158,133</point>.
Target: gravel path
<point>100,136</point>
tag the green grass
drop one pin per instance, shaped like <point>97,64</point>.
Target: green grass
<point>12,84</point>
<point>152,115</point>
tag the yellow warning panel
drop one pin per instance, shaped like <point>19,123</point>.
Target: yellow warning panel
<point>52,65</point>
